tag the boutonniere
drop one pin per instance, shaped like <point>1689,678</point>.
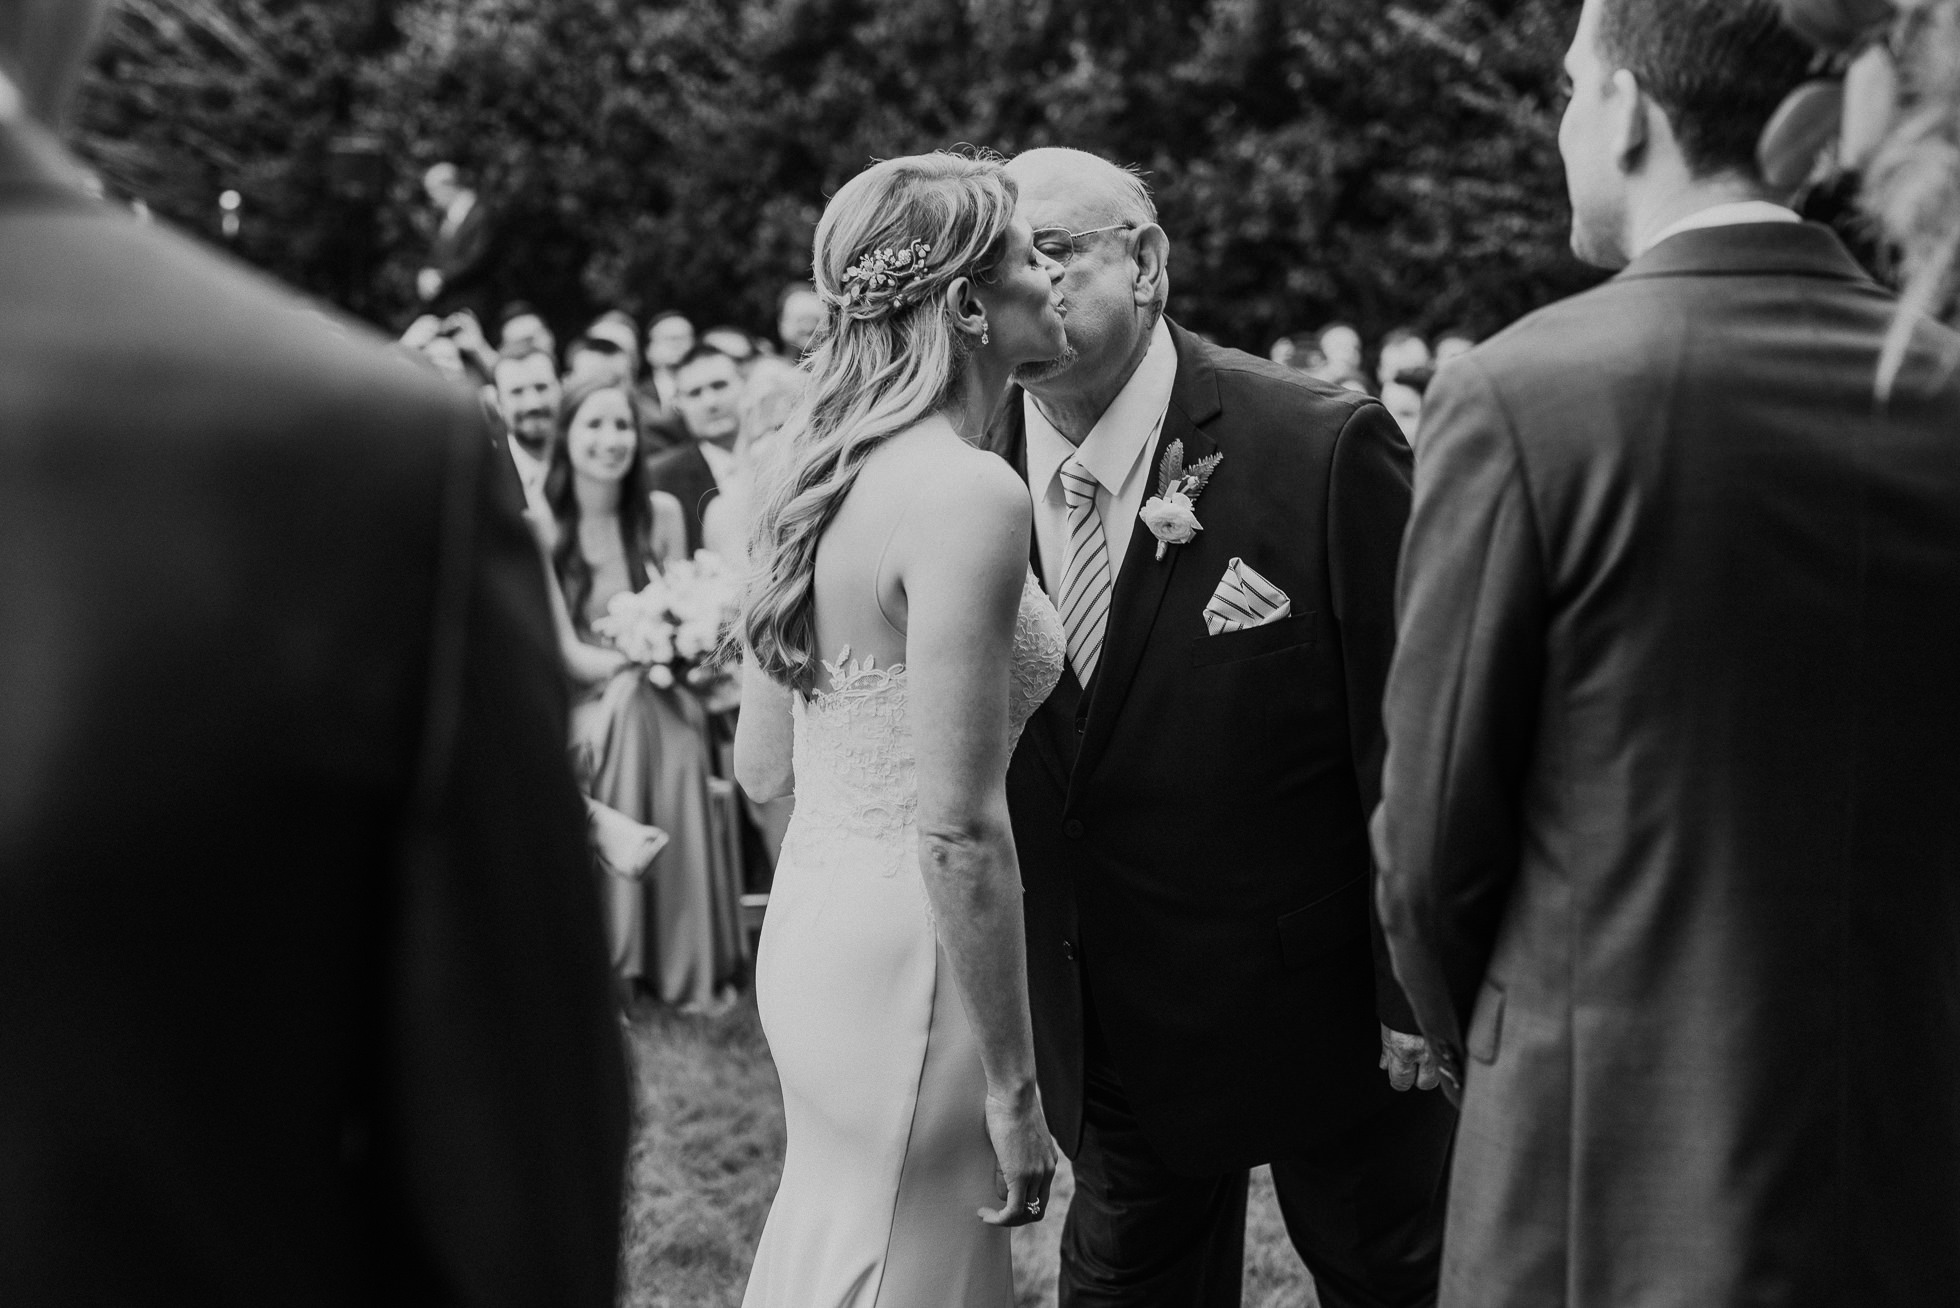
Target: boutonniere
<point>1171,514</point>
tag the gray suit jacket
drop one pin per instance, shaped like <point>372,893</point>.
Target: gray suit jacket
<point>303,995</point>
<point>1670,837</point>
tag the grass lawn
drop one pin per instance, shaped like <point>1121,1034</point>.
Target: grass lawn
<point>709,1150</point>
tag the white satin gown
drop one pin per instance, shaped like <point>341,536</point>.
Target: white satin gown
<point>888,1156</point>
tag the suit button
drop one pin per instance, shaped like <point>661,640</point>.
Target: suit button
<point>1072,828</point>
<point>1068,950</point>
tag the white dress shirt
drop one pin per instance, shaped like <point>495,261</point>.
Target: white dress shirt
<point>1734,213</point>
<point>530,473</point>
<point>721,463</point>
<point>1116,452</point>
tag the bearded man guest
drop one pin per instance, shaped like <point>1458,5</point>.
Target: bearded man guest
<point>1190,806</point>
<point>528,393</point>
<point>1670,854</point>
<point>303,996</point>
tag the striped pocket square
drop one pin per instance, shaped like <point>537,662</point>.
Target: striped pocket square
<point>1244,599</point>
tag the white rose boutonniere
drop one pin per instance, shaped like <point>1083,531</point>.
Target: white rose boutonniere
<point>1172,514</point>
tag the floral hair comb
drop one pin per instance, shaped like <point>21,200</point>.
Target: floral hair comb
<point>884,271</point>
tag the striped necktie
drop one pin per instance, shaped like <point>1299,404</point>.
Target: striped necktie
<point>1086,579</point>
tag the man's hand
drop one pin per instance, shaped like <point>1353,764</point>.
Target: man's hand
<point>1408,1061</point>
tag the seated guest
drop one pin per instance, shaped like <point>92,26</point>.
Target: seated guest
<point>1401,349</point>
<point>800,315</point>
<point>708,395</point>
<point>637,748</point>
<point>1453,342</point>
<point>733,342</point>
<point>1402,395</point>
<point>528,393</point>
<point>768,396</point>
<point>520,322</point>
<point>597,356</point>
<point>670,338</point>
<point>615,327</point>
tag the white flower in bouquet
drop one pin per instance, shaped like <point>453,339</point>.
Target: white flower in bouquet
<point>639,624</point>
<point>674,626</point>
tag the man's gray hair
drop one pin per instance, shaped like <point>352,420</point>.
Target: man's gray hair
<point>1124,192</point>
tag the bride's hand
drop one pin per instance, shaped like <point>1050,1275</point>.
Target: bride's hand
<point>1024,1155</point>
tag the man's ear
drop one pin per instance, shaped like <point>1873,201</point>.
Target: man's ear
<point>1631,130</point>
<point>1153,265</point>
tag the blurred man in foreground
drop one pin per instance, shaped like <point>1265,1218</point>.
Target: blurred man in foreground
<point>1668,835</point>
<point>303,997</point>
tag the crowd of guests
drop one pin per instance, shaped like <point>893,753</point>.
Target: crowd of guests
<point>634,450</point>
<point>1404,363</point>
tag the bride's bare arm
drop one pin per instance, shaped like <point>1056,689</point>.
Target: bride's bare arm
<point>763,735</point>
<point>962,560</point>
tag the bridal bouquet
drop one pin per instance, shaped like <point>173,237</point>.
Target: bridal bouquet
<point>674,626</point>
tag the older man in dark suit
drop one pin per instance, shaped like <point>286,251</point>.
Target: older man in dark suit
<point>303,995</point>
<point>1670,843</point>
<point>1209,989</point>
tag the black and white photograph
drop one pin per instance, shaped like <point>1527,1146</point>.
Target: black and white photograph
<point>980,653</point>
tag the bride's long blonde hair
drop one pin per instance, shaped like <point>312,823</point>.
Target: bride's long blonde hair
<point>890,353</point>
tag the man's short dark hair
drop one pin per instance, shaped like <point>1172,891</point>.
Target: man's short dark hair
<point>1717,68</point>
<point>594,345</point>
<point>703,351</point>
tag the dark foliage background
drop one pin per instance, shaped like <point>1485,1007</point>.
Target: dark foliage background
<point>1380,161</point>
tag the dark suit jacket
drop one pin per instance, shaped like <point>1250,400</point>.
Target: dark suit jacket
<point>466,258</point>
<point>1192,832</point>
<point>1671,835</point>
<point>303,992</point>
<point>683,473</point>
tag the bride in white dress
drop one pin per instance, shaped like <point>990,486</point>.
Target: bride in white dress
<point>896,644</point>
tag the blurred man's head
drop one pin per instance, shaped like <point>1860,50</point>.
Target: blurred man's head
<point>593,356</point>
<point>443,184</point>
<point>731,341</point>
<point>527,395</point>
<point>708,392</point>
<point>1401,351</point>
<point>616,328</point>
<point>799,317</point>
<point>1668,101</point>
<point>523,325</point>
<point>1340,346</point>
<point>1402,394</point>
<point>44,46</point>
<point>1098,221</point>
<point>1453,342</point>
<point>669,338</point>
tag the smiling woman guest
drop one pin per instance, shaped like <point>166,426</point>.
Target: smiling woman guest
<point>637,748</point>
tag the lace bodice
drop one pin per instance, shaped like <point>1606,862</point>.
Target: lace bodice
<point>856,773</point>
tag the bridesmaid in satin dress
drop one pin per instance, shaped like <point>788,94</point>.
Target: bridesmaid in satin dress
<point>637,748</point>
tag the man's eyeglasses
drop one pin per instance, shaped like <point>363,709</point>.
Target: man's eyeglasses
<point>1062,245</point>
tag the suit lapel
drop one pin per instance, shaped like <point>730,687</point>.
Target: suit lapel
<point>1143,579</point>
